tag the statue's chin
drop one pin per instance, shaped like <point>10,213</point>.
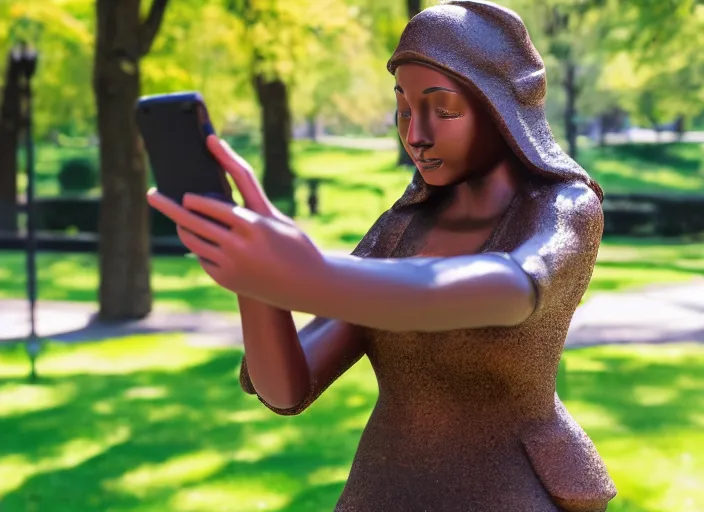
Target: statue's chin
<point>442,180</point>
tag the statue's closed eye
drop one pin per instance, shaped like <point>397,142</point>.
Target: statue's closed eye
<point>446,114</point>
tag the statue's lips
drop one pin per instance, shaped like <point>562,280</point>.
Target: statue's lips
<point>430,164</point>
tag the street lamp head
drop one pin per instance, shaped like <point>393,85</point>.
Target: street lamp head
<point>26,59</point>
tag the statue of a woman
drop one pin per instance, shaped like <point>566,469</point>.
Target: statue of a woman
<point>460,295</point>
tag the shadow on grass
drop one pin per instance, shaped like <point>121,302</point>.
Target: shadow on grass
<point>685,157</point>
<point>642,406</point>
<point>186,438</point>
<point>644,398</point>
<point>647,168</point>
<point>147,439</point>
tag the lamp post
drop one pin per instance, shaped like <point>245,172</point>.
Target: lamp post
<point>26,60</point>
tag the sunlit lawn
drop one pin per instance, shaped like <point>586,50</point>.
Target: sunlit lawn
<point>150,423</point>
<point>625,264</point>
<point>672,168</point>
<point>179,283</point>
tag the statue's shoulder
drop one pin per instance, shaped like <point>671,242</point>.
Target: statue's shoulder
<point>573,202</point>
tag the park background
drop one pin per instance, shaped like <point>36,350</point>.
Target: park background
<point>121,418</point>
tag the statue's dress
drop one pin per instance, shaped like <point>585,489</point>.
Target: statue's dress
<point>468,420</point>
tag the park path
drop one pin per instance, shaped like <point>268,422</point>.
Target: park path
<point>657,314</point>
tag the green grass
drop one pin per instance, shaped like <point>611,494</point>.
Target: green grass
<point>150,423</point>
<point>356,187</point>
<point>625,264</point>
<point>670,168</point>
<point>179,283</point>
<point>643,406</point>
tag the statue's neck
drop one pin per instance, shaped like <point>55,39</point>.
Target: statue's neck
<point>483,198</point>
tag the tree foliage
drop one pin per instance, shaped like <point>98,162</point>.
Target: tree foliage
<point>63,33</point>
<point>656,67</point>
<point>326,52</point>
<point>640,55</point>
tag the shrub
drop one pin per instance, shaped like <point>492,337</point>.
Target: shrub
<point>82,214</point>
<point>77,175</point>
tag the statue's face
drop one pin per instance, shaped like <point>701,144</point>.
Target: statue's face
<point>445,129</point>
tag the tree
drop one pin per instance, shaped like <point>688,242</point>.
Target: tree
<point>259,18</point>
<point>61,97</point>
<point>200,48</point>
<point>658,66</point>
<point>342,79</point>
<point>122,40</point>
<point>570,35</point>
<point>62,33</point>
<point>413,7</point>
<point>278,180</point>
<point>639,56</point>
<point>10,121</point>
<point>281,39</point>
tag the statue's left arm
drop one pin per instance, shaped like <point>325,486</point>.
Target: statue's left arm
<point>553,264</point>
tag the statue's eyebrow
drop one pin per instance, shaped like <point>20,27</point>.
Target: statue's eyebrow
<point>434,89</point>
<point>428,90</point>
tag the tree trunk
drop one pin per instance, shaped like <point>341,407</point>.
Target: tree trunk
<point>124,242</point>
<point>312,125</point>
<point>680,127</point>
<point>604,128</point>
<point>413,7</point>
<point>10,127</point>
<point>571,107</point>
<point>278,179</point>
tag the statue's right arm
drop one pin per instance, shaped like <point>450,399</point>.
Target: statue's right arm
<point>287,369</point>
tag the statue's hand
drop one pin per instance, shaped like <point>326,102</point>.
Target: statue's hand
<point>253,250</point>
<point>246,182</point>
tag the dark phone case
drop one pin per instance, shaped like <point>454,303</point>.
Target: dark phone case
<point>174,128</point>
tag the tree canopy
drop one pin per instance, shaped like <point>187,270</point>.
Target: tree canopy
<point>644,57</point>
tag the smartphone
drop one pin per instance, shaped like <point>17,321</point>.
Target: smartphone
<point>174,128</point>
